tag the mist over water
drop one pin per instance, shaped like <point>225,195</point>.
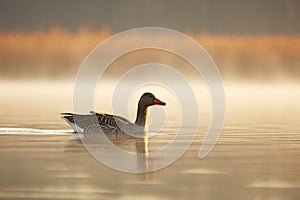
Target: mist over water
<point>40,81</point>
<point>38,104</point>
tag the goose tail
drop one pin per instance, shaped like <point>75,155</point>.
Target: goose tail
<point>69,118</point>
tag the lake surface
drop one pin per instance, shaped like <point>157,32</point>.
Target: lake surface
<point>256,157</point>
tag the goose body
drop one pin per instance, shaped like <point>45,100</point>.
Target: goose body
<point>113,123</point>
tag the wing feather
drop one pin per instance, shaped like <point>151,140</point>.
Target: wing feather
<point>106,121</point>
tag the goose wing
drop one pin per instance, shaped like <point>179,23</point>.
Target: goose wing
<point>107,122</point>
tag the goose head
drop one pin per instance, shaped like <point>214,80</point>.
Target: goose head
<point>148,99</point>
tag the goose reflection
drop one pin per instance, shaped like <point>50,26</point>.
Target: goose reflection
<point>142,151</point>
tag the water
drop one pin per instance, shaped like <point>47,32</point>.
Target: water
<point>257,156</point>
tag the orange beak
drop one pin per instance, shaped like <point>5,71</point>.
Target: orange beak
<point>159,102</point>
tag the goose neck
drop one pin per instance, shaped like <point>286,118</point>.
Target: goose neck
<point>141,115</point>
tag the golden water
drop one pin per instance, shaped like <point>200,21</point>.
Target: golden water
<point>256,157</point>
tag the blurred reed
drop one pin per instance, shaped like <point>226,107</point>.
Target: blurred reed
<point>58,53</point>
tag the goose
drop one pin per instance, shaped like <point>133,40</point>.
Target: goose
<point>114,123</point>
